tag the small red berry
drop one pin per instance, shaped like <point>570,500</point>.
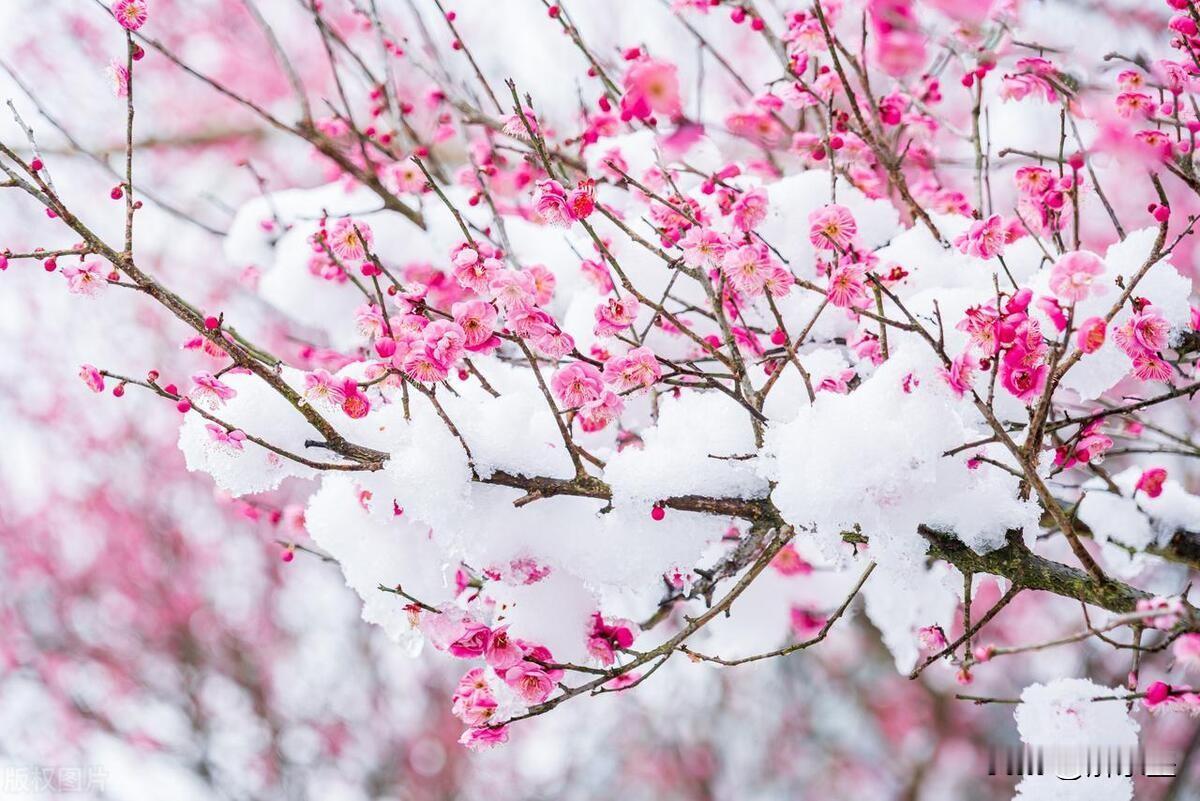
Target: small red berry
<point>119,390</point>
<point>288,554</point>
<point>36,165</point>
<point>117,193</point>
<point>212,323</point>
<point>50,264</point>
<point>553,11</point>
<point>778,337</point>
<point>658,513</point>
<point>184,406</point>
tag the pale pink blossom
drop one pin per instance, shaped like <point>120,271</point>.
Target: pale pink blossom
<point>323,389</point>
<point>1187,651</point>
<point>596,414</point>
<point>224,439</point>
<point>1073,277</point>
<point>1166,611</point>
<point>984,239</point>
<point>703,248</point>
<point>931,638</point>
<point>85,279</point>
<point>544,282</point>
<point>210,392</point>
<point>118,77</point>
<point>1144,333</point>
<point>512,288</point>
<point>746,267</point>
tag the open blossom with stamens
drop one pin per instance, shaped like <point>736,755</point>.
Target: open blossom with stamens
<point>985,239</point>
<point>847,286</point>
<point>477,319</point>
<point>420,364</point>
<point>210,392</point>
<point>91,376</point>
<point>225,440</point>
<point>1074,275</point>
<point>576,384</point>
<point>637,368</point>
<point>502,652</point>
<point>1149,367</point>
<point>85,279</point>
<point>554,344</point>
<point>512,288</point>
<point>703,248</point>
<point>530,681</point>
<point>349,239</point>
<point>746,268</point>
<point>323,389</point>
<point>1144,333</point>
<point>132,14</point>
<point>831,227</point>
<point>544,282</point>
<point>475,273</point>
<point>550,203</point>
<point>615,315</point>
<point>750,209</point>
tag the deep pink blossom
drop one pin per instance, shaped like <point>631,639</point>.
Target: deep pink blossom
<point>132,14</point>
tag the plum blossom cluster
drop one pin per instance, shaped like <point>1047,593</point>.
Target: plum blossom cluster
<point>607,358</point>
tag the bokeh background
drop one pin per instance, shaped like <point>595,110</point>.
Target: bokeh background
<point>153,644</point>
